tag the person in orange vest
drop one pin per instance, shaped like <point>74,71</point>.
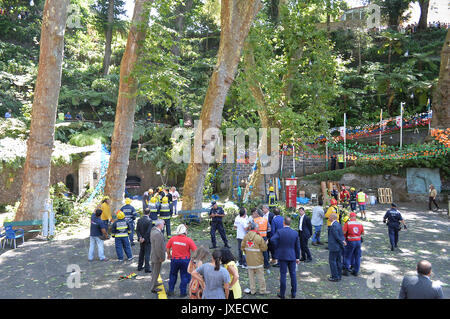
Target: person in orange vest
<point>353,231</point>
<point>262,231</point>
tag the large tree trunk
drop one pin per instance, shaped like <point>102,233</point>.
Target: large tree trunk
<point>126,106</point>
<point>36,178</point>
<point>441,101</point>
<point>236,19</point>
<point>108,38</point>
<point>424,4</point>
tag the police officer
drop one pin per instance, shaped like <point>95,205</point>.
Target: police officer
<point>130,217</point>
<point>216,213</point>
<point>120,231</point>
<point>353,199</point>
<point>154,207</point>
<point>165,212</point>
<point>394,219</point>
<point>271,198</point>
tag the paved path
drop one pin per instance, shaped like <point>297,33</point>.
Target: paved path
<point>38,269</point>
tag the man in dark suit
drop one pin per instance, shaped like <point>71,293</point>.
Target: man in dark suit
<point>158,253</point>
<point>143,228</point>
<point>304,233</point>
<point>287,250</point>
<point>421,286</point>
<point>336,243</point>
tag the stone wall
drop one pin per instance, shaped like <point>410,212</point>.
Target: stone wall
<point>11,181</point>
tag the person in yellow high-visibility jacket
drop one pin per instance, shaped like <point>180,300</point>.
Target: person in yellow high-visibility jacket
<point>106,216</point>
<point>333,209</point>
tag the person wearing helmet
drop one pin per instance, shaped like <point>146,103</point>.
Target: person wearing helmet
<point>120,230</point>
<point>161,193</point>
<point>165,213</point>
<point>179,249</point>
<point>271,198</point>
<point>146,198</point>
<point>353,199</point>
<point>154,206</point>
<point>332,209</point>
<point>130,217</point>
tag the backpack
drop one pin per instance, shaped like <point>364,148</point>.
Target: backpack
<point>195,290</point>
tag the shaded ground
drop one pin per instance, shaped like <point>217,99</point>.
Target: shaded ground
<point>37,269</point>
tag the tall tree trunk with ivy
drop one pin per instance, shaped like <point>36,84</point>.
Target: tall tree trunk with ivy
<point>108,38</point>
<point>441,101</point>
<point>126,106</point>
<point>36,177</point>
<point>236,19</point>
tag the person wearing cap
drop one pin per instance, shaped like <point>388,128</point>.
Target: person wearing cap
<point>353,230</point>
<point>120,230</point>
<point>130,217</point>
<point>335,193</point>
<point>271,198</point>
<point>394,219</point>
<point>216,214</point>
<point>143,229</point>
<point>106,216</point>
<point>353,195</point>
<point>179,249</point>
<point>165,213</point>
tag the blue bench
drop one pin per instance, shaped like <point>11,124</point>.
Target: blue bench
<point>192,215</point>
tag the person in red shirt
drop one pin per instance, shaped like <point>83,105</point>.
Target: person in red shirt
<point>353,230</point>
<point>344,197</point>
<point>179,250</point>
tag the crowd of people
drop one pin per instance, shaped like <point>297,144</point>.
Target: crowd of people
<point>265,239</point>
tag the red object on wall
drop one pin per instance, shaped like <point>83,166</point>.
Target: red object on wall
<point>291,192</point>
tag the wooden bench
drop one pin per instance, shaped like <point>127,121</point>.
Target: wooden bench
<point>192,215</point>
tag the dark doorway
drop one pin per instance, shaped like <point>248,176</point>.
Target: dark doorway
<point>70,182</point>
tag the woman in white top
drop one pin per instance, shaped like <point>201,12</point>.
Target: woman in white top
<point>175,196</point>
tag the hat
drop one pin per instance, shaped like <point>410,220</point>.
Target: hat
<point>105,197</point>
<point>393,205</point>
<point>127,201</point>
<point>165,200</point>
<point>181,229</point>
<point>213,203</point>
<point>333,201</point>
<point>271,188</point>
<point>352,214</point>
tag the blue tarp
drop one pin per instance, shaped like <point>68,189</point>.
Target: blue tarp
<point>302,200</point>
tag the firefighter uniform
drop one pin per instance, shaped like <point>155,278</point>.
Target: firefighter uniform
<point>154,206</point>
<point>393,218</point>
<point>120,230</point>
<point>352,251</point>
<point>271,198</point>
<point>130,217</point>
<point>165,213</point>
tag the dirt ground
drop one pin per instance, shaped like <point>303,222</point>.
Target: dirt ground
<point>39,268</point>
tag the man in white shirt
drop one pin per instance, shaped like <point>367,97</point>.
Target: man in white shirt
<point>318,215</point>
<point>241,225</point>
<point>175,196</point>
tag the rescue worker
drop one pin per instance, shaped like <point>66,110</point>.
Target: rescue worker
<point>344,197</point>
<point>106,216</point>
<point>216,213</point>
<point>262,231</point>
<point>333,209</point>
<point>335,193</point>
<point>352,251</point>
<point>394,219</point>
<point>333,162</point>
<point>353,196</point>
<point>120,231</point>
<point>362,199</point>
<point>165,212</point>
<point>154,207</point>
<point>130,217</point>
<point>341,161</point>
<point>146,198</point>
<point>179,249</point>
<point>161,193</point>
<point>271,198</point>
